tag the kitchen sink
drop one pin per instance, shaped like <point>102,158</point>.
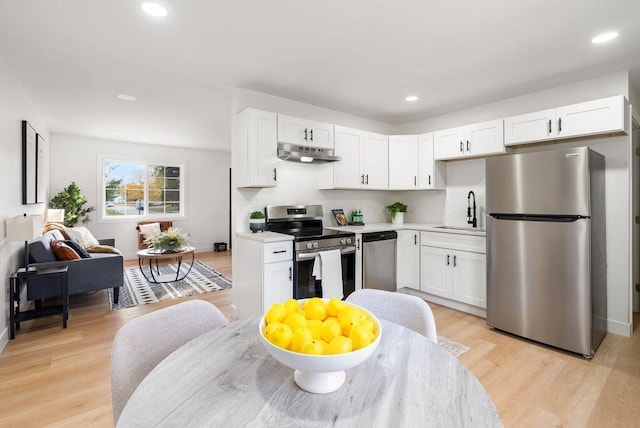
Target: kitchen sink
<point>461,228</point>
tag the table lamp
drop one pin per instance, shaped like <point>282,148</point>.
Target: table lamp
<point>24,228</point>
<point>55,215</point>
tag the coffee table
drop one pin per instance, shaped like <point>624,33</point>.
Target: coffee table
<point>152,255</point>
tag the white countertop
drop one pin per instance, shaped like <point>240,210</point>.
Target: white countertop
<point>265,236</point>
<point>379,227</point>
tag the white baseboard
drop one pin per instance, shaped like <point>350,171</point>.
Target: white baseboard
<point>621,328</point>
<point>458,306</point>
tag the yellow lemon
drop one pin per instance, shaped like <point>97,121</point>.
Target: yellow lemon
<point>276,313</point>
<point>291,305</point>
<point>300,337</point>
<point>346,311</point>
<point>281,336</point>
<point>316,328</point>
<point>330,329</point>
<point>340,345</point>
<point>334,306</point>
<point>315,309</point>
<point>348,322</point>
<point>369,325</point>
<point>325,346</point>
<point>295,320</point>
<point>312,347</point>
<point>269,328</point>
<point>361,336</point>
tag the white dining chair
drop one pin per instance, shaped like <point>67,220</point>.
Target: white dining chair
<point>144,342</point>
<point>409,311</point>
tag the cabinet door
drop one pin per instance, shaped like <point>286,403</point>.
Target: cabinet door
<point>347,171</point>
<point>375,161</point>
<point>485,138</point>
<point>426,177</point>
<point>277,283</point>
<point>449,144</point>
<point>435,272</point>
<point>408,259</point>
<point>530,127</point>
<point>469,278</point>
<point>291,130</point>
<point>263,134</point>
<point>403,163</point>
<point>320,135</point>
<point>593,117</point>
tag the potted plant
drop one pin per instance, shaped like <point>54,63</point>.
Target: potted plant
<point>172,240</point>
<point>72,202</point>
<point>256,221</point>
<point>397,210</point>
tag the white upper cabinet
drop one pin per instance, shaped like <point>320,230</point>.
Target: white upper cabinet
<point>293,130</point>
<point>403,162</point>
<point>363,164</point>
<point>431,174</point>
<point>479,139</point>
<point>257,146</point>
<point>602,116</point>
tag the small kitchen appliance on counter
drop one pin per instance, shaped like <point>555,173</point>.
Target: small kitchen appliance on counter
<point>546,256</point>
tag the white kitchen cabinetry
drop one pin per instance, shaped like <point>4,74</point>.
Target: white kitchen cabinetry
<point>478,139</point>
<point>363,165</point>
<point>602,116</point>
<point>257,146</point>
<point>294,130</point>
<point>266,276</point>
<point>454,266</point>
<point>403,162</point>
<point>431,174</point>
<point>408,259</point>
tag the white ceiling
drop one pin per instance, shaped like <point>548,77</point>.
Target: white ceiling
<point>73,57</point>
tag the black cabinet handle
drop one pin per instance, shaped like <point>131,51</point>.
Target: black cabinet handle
<point>448,259</point>
<point>275,175</point>
<point>429,179</point>
<point>279,251</point>
<point>467,145</point>
<point>454,261</point>
<point>305,134</point>
<point>559,125</point>
<point>415,180</point>
<point>290,273</point>
<point>358,244</point>
<point>366,180</point>
<point>415,239</point>
<point>549,126</point>
<point>461,147</point>
<point>362,179</point>
<point>311,132</point>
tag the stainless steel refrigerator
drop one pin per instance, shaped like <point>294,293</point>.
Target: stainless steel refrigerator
<point>546,256</point>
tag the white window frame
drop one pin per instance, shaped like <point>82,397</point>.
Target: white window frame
<point>102,208</point>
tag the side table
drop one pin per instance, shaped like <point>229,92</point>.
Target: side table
<point>16,280</point>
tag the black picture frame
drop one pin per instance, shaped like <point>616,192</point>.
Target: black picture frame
<point>29,151</point>
<point>41,184</point>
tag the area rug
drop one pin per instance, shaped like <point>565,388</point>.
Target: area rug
<point>454,348</point>
<point>137,291</point>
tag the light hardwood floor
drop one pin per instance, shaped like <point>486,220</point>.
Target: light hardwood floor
<point>55,377</point>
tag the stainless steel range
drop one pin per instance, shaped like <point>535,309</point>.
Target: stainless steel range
<point>304,222</point>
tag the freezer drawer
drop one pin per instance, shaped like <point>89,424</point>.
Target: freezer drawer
<point>538,281</point>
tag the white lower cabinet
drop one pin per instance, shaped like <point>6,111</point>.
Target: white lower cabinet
<point>265,277</point>
<point>408,259</point>
<point>447,270</point>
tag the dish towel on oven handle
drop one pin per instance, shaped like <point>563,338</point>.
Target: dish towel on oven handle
<point>327,267</point>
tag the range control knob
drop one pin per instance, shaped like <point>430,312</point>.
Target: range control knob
<point>315,245</point>
<point>309,245</point>
<point>343,241</point>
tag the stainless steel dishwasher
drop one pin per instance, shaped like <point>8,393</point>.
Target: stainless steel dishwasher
<point>379,260</point>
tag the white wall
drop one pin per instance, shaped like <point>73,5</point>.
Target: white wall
<point>15,106</point>
<point>75,158</point>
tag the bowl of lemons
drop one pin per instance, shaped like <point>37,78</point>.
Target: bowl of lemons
<point>320,339</point>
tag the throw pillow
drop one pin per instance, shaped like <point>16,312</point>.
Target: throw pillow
<point>82,236</point>
<point>63,252</point>
<point>103,249</point>
<point>149,229</point>
<point>77,248</point>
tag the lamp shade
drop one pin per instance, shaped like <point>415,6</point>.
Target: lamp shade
<point>23,228</point>
<point>55,215</point>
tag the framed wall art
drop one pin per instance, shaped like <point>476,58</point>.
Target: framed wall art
<point>28,163</point>
<point>41,148</point>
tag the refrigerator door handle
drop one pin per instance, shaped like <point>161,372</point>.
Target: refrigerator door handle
<point>538,217</point>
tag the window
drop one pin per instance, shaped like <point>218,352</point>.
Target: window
<point>139,189</point>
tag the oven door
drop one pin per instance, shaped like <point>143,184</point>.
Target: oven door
<point>305,284</point>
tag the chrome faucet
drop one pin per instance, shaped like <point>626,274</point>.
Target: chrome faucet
<point>471,220</point>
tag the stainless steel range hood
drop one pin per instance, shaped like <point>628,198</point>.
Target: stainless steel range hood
<point>290,152</point>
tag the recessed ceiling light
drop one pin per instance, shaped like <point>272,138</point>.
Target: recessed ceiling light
<point>604,37</point>
<point>154,9</point>
<point>126,97</point>
<point>411,98</point>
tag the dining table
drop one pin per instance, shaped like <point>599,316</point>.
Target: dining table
<point>226,377</point>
